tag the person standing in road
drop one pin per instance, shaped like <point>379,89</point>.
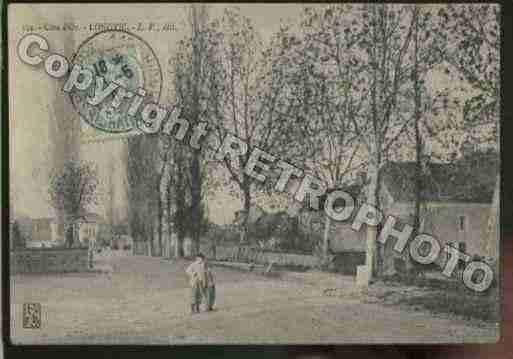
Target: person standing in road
<point>209,287</point>
<point>197,277</point>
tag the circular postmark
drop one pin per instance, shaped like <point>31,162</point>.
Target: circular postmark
<point>122,58</point>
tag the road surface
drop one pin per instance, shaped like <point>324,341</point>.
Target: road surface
<point>145,300</point>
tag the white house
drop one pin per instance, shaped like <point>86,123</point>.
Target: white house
<point>455,206</point>
<point>88,228</point>
<point>456,203</point>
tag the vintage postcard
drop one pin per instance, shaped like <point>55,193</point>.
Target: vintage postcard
<point>253,174</point>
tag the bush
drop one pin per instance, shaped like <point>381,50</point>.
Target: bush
<point>347,262</point>
<point>18,240</point>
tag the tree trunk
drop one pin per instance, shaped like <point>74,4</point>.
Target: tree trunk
<point>418,142</point>
<point>196,202</point>
<point>170,224</point>
<point>198,24</point>
<point>151,233</point>
<point>179,246</point>
<point>493,228</point>
<point>294,225</point>
<point>372,199</point>
<point>326,240</point>
<point>160,226</point>
<point>169,217</point>
<point>493,231</point>
<point>247,208</point>
<point>180,203</point>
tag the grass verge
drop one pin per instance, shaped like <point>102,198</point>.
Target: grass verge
<point>439,296</point>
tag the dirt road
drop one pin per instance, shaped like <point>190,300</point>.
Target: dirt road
<point>146,301</point>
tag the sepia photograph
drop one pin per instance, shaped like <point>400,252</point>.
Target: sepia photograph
<point>265,173</point>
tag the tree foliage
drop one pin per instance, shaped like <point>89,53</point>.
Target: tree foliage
<point>322,98</point>
<point>474,34</point>
<point>143,183</point>
<point>73,188</point>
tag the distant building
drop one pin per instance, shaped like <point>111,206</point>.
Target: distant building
<point>88,228</point>
<point>49,232</point>
<point>37,232</point>
<point>255,212</point>
<point>19,232</point>
<point>345,244</point>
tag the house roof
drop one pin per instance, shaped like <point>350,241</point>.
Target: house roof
<point>353,189</point>
<point>467,180</point>
<point>14,215</point>
<point>273,219</point>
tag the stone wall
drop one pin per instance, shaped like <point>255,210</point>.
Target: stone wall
<point>48,260</point>
<point>140,248</point>
<point>254,255</point>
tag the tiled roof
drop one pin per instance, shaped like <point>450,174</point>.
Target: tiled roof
<point>462,181</point>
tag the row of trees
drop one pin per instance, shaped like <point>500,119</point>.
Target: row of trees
<point>344,89</point>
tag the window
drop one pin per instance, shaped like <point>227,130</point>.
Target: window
<point>462,224</point>
<point>462,247</point>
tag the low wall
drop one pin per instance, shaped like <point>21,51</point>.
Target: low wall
<point>248,254</point>
<point>48,260</point>
<point>140,248</point>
